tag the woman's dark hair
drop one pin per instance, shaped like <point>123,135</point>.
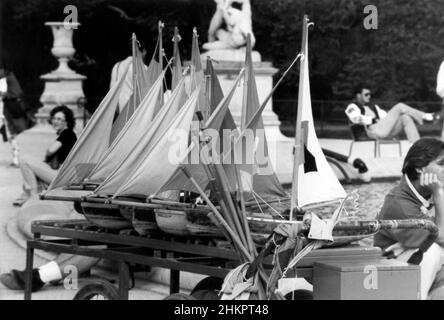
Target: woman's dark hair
<point>69,115</point>
<point>421,153</point>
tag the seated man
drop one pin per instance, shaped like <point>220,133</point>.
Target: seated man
<point>380,124</point>
<point>419,195</point>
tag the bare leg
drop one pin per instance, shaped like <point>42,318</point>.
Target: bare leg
<point>31,169</point>
<point>442,132</point>
<point>15,150</point>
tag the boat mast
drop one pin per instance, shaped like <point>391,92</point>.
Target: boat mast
<point>208,90</point>
<point>160,27</point>
<point>134,52</point>
<point>298,143</point>
<point>176,62</point>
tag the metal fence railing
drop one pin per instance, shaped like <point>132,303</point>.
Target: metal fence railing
<point>329,116</point>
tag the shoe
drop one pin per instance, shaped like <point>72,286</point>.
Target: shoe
<point>360,165</point>
<point>363,173</point>
<point>432,118</point>
<point>21,199</point>
<point>365,177</point>
<point>15,162</point>
<point>15,280</point>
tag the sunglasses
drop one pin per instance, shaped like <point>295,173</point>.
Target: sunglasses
<point>58,119</point>
<point>367,95</point>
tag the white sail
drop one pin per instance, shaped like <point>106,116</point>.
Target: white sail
<point>92,143</point>
<point>152,133</point>
<point>216,122</point>
<point>317,182</point>
<point>156,166</point>
<point>136,127</point>
<point>254,163</point>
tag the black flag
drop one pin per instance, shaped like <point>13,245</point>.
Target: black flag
<point>309,160</point>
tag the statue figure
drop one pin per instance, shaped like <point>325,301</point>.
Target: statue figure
<point>236,15</point>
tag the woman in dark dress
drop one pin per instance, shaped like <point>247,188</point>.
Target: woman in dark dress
<point>62,119</point>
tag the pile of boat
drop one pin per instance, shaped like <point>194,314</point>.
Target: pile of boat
<point>166,163</point>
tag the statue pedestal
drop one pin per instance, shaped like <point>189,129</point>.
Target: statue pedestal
<point>63,85</point>
<point>227,68</point>
<point>61,88</point>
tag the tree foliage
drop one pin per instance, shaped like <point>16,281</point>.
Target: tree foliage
<point>399,60</point>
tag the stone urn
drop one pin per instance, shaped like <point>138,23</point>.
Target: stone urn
<point>63,48</point>
<point>62,85</point>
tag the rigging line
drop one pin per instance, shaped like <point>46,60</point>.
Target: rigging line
<point>258,204</point>
<point>254,192</point>
<point>168,61</point>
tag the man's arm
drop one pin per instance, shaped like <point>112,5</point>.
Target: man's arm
<point>440,81</point>
<point>3,87</point>
<point>355,116</point>
<point>53,148</point>
<point>381,112</point>
<point>431,180</point>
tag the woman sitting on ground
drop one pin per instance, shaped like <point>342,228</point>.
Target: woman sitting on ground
<point>419,195</point>
<point>62,119</point>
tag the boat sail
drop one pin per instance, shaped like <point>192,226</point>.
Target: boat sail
<point>217,121</point>
<point>314,182</point>
<point>197,75</point>
<point>143,79</point>
<point>253,161</point>
<point>136,139</point>
<point>177,63</point>
<point>151,168</point>
<point>131,133</point>
<point>91,145</point>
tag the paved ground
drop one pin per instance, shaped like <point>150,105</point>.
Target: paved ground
<point>12,254</point>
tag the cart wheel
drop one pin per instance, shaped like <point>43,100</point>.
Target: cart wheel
<point>209,283</point>
<point>179,296</point>
<point>97,290</point>
<point>299,295</point>
<point>207,289</point>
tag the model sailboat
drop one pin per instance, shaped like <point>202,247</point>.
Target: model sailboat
<point>138,161</point>
<point>314,182</point>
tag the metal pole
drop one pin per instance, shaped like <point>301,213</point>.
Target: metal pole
<point>134,73</point>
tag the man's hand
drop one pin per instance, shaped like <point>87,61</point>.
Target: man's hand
<point>431,181</point>
<point>357,119</point>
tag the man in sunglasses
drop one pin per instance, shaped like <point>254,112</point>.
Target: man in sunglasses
<point>380,124</point>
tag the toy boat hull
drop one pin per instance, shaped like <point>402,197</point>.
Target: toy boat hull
<point>105,216</point>
<point>172,221</point>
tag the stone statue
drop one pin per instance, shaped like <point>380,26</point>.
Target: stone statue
<point>236,14</point>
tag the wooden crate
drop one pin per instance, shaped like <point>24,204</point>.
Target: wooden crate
<point>375,279</point>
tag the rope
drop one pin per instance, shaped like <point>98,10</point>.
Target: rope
<point>277,212</point>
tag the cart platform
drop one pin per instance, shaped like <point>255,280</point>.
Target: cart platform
<point>206,256</point>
